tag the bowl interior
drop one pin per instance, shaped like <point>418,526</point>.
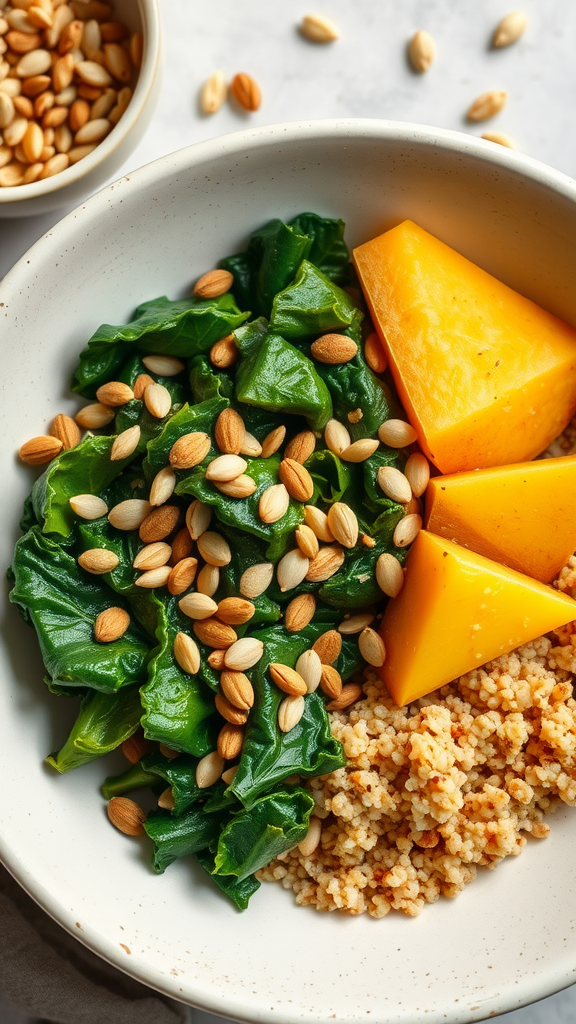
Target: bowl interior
<point>494,948</point>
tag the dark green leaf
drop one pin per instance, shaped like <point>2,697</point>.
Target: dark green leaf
<point>268,755</point>
<point>63,602</point>
<point>238,891</point>
<point>178,709</point>
<point>242,513</point>
<point>104,721</point>
<point>355,586</point>
<point>124,544</point>
<point>180,774</point>
<point>353,386</point>
<point>252,838</point>
<point>239,267</point>
<point>251,335</point>
<point>332,477</point>
<point>161,327</point>
<point>311,305</point>
<point>271,260</point>
<point>187,420</point>
<point>208,384</point>
<point>86,469</point>
<point>28,519</point>
<point>375,499</point>
<point>329,251</point>
<point>279,377</point>
<point>136,777</point>
<point>180,835</point>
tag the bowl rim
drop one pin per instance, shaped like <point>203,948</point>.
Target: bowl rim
<point>536,987</point>
<point>152,32</point>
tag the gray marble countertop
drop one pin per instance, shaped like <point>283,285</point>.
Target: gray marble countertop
<point>364,74</point>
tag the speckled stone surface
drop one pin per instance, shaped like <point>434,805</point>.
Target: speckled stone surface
<point>364,74</point>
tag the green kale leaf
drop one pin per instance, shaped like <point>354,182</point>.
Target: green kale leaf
<point>272,258</point>
<point>253,837</point>
<point>183,328</point>
<point>238,891</point>
<point>312,305</point>
<point>178,709</point>
<point>277,376</point>
<point>104,721</point>
<point>86,469</point>
<point>354,386</point>
<point>242,513</point>
<point>328,251</point>
<point>63,603</point>
<point>179,835</point>
<point>268,755</point>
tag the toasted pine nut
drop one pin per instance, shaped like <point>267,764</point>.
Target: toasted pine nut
<point>91,38</point>
<point>117,62</point>
<point>55,117</point>
<point>63,72</point>
<point>32,173</point>
<point>33,142</point>
<point>63,139</point>
<point>23,106</point>
<point>79,114</point>
<point>136,49</point>
<point>93,74</point>
<point>42,103</point>
<point>15,131</point>
<point>6,154</point>
<point>54,165</point>
<point>92,131</point>
<point>79,152</point>
<point>35,84</point>
<point>12,174</point>
<point>102,106</point>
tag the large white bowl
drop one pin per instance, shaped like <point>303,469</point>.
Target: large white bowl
<point>507,940</point>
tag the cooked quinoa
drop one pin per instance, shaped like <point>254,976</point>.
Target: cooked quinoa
<point>458,779</point>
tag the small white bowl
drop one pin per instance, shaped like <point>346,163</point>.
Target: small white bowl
<point>510,937</point>
<point>88,175</point>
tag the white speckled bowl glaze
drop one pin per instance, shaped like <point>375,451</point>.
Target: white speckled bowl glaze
<point>510,937</point>
<point>84,178</point>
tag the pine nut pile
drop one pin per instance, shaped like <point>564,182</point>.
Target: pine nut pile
<point>65,74</point>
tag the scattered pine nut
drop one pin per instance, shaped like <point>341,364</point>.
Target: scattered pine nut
<point>487,105</point>
<point>213,93</point>
<point>319,29</point>
<point>510,29</point>
<point>500,139</point>
<point>422,51</point>
<point>246,91</point>
<point>39,450</point>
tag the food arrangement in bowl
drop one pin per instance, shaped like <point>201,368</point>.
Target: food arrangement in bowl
<point>233,576</point>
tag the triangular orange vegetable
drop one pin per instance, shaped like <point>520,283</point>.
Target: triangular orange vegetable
<point>456,611</point>
<point>487,377</point>
<point>523,516</point>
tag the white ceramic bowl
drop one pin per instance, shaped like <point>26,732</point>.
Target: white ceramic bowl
<point>510,937</point>
<point>83,178</point>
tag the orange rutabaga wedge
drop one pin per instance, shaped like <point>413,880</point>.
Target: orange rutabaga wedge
<point>485,375</point>
<point>456,611</point>
<point>523,516</point>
